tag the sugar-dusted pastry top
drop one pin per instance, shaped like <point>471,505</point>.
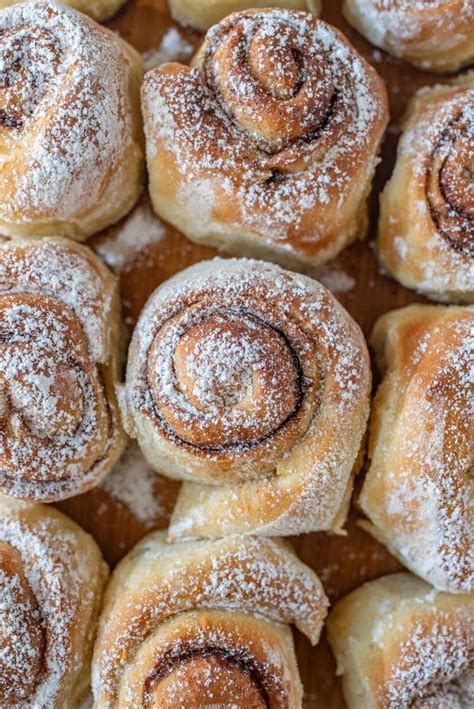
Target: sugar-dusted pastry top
<point>251,383</point>
<point>426,228</point>
<point>267,146</point>
<point>160,614</point>
<point>51,580</point>
<point>70,128</point>
<point>419,490</point>
<point>400,644</point>
<point>205,13</point>
<point>99,10</point>
<point>59,330</point>
<point>435,35</point>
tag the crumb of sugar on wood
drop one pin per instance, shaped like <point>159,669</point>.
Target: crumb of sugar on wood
<point>141,229</point>
<point>133,483</point>
<point>173,48</point>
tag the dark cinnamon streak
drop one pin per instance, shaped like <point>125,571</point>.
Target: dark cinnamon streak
<point>453,221</point>
<point>302,387</point>
<point>237,658</point>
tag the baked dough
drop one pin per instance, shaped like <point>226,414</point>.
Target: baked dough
<point>205,624</point>
<point>435,35</point>
<point>205,13</point>
<point>419,489</point>
<point>246,155</point>
<point>250,383</point>
<point>399,644</point>
<point>426,228</point>
<point>71,145</point>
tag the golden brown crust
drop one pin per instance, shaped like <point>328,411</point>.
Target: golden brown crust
<point>70,125</point>
<point>60,430</point>
<point>399,644</point>
<point>51,579</point>
<point>418,491</point>
<point>99,10</point>
<point>426,228</point>
<point>252,384</point>
<point>267,146</point>
<point>202,15</point>
<point>173,613</point>
<point>436,36</point>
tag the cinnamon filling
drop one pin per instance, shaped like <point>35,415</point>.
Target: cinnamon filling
<point>450,183</point>
<point>273,82</point>
<point>235,381</point>
<point>22,637</point>
<point>30,58</point>
<point>205,677</point>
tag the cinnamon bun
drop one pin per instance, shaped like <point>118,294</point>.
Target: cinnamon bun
<point>51,580</point>
<point>70,126</point>
<point>204,624</point>
<point>401,645</point>
<point>426,229</point>
<point>435,35</point>
<point>60,430</point>
<point>250,383</point>
<point>418,493</point>
<point>267,146</point>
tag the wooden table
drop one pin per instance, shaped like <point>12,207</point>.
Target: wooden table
<point>343,563</point>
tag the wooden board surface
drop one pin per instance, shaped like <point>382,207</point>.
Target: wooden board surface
<point>342,562</point>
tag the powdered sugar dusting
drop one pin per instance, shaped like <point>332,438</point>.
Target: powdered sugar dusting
<point>250,575</point>
<point>58,426</point>
<point>273,160</point>
<point>65,113</point>
<point>334,278</point>
<point>61,583</point>
<point>423,30</point>
<point>425,517</point>
<point>141,229</point>
<point>435,669</point>
<point>173,48</point>
<point>232,363</point>
<point>133,483</point>
<point>430,245</point>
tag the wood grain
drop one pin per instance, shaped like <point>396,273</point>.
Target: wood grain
<point>342,562</point>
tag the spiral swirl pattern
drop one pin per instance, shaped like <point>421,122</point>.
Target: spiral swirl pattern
<point>179,625</point>
<point>51,580</point>
<point>451,182</point>
<point>278,122</point>
<point>69,123</point>
<point>234,369</point>
<point>59,430</point>
<point>426,228</point>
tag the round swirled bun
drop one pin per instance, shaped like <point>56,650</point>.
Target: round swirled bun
<point>70,126</point>
<point>267,146</point>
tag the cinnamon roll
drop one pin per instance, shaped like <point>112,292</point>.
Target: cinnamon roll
<point>99,10</point>
<point>51,580</point>
<point>60,431</point>
<point>206,13</point>
<point>426,229</point>
<point>70,126</point>
<point>268,145</point>
<point>250,383</point>
<point>419,490</point>
<point>435,36</point>
<point>401,645</point>
<point>204,623</point>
